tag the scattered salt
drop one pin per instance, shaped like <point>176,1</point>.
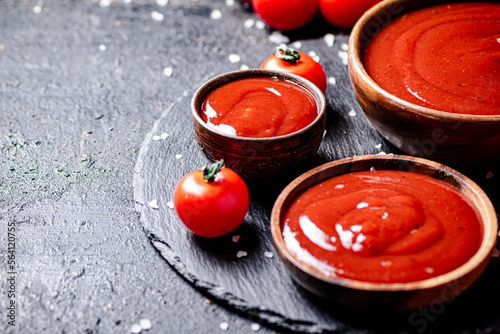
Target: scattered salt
<point>170,205</point>
<point>296,45</point>
<point>224,326</point>
<point>344,46</point>
<point>234,58</point>
<point>178,156</point>
<point>164,135</point>
<point>332,81</point>
<point>235,238</point>
<point>162,3</point>
<point>135,329</point>
<point>269,255</point>
<point>249,23</point>
<point>277,38</point>
<point>329,39</point>
<point>216,14</point>
<point>260,25</point>
<point>105,3</point>
<point>168,71</point>
<point>102,47</point>
<point>313,55</point>
<point>241,254</point>
<point>489,175</point>
<point>378,146</point>
<point>145,323</point>
<point>255,327</point>
<point>157,16</point>
<point>244,67</point>
<point>229,3</point>
<point>352,113</point>
<point>37,9</point>
<point>156,137</point>
<point>343,57</point>
<point>154,204</point>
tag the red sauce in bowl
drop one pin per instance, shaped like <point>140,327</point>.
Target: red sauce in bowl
<point>382,226</point>
<point>445,57</point>
<point>259,107</point>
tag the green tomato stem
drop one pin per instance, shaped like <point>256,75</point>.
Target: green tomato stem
<point>289,55</point>
<point>210,171</point>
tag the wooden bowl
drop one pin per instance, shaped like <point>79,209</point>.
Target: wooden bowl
<point>259,158</point>
<point>389,296</point>
<point>445,137</point>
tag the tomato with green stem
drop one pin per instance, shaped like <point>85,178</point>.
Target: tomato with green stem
<point>285,14</point>
<point>211,202</point>
<point>299,63</point>
<point>344,13</point>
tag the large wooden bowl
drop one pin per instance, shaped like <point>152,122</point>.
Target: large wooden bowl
<point>259,158</point>
<point>445,137</point>
<point>389,296</point>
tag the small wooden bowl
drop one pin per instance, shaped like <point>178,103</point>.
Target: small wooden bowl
<point>445,137</point>
<point>259,158</point>
<point>388,296</point>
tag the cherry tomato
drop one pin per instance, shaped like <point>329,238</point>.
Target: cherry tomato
<point>298,63</point>
<point>344,13</point>
<point>211,202</point>
<point>285,14</point>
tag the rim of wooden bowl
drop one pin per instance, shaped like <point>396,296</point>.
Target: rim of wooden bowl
<point>356,66</point>
<point>471,190</point>
<point>223,78</point>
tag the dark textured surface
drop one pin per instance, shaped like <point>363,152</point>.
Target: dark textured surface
<point>82,90</point>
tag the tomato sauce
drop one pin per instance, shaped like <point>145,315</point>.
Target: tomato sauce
<point>445,57</point>
<point>382,226</point>
<point>259,107</point>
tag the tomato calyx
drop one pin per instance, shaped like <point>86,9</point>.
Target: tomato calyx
<point>286,54</point>
<point>210,171</point>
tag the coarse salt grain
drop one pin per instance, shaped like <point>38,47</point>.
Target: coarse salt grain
<point>216,14</point>
<point>224,326</point>
<point>332,81</point>
<point>260,24</point>
<point>154,204</point>
<point>234,58</point>
<point>235,238</point>
<point>168,71</point>
<point>352,113</point>
<point>164,135</point>
<point>37,9</point>
<point>229,3</point>
<point>269,255</point>
<point>102,47</point>
<point>157,16</point>
<point>249,23</point>
<point>162,3</point>
<point>329,39</point>
<point>178,156</point>
<point>296,45</point>
<point>170,205</point>
<point>255,327</point>
<point>135,329</point>
<point>378,146</point>
<point>343,57</point>
<point>145,324</point>
<point>489,175</point>
<point>277,38</point>
<point>244,67</point>
<point>241,254</point>
<point>156,137</point>
<point>105,3</point>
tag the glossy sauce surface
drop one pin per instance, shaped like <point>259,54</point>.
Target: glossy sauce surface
<point>445,57</point>
<point>259,107</point>
<point>382,226</point>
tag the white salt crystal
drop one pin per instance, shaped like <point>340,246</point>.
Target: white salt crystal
<point>241,254</point>
<point>234,58</point>
<point>157,16</point>
<point>332,81</point>
<point>145,324</point>
<point>154,204</point>
<point>224,326</point>
<point>329,39</point>
<point>162,3</point>
<point>352,113</point>
<point>168,71</point>
<point>135,329</point>
<point>216,14</point>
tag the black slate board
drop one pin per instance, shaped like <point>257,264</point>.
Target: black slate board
<point>257,285</point>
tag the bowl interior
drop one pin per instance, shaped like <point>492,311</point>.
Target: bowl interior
<point>368,26</point>
<point>224,78</point>
<point>477,197</point>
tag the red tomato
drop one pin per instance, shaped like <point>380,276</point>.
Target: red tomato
<point>211,202</point>
<point>285,14</point>
<point>344,13</point>
<point>298,63</point>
